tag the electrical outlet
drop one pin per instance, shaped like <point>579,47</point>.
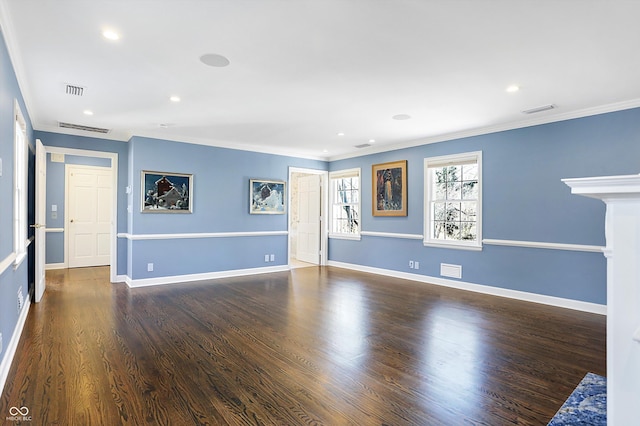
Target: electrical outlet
<point>411,264</point>
<point>272,258</point>
<point>266,257</point>
<point>149,267</point>
<point>20,300</point>
<point>416,265</point>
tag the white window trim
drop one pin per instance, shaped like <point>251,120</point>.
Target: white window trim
<point>336,175</point>
<point>20,183</point>
<point>444,160</point>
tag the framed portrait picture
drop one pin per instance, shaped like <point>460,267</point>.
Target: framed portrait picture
<point>389,183</point>
<point>267,196</point>
<point>166,192</point>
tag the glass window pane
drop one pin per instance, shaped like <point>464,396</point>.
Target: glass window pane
<point>454,173</point>
<point>468,231</point>
<point>470,172</point>
<point>470,190</point>
<point>439,230</point>
<point>454,191</point>
<point>452,230</point>
<point>468,211</point>
<point>438,211</point>
<point>440,191</point>
<point>452,212</point>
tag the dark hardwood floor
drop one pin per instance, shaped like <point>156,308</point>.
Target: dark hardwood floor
<point>314,346</point>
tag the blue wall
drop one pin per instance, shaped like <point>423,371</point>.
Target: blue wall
<point>11,280</point>
<point>220,205</point>
<point>523,200</point>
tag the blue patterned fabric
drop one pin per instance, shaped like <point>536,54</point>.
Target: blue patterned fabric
<point>587,405</point>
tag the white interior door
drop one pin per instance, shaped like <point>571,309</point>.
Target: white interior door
<point>308,243</point>
<point>88,215</point>
<point>41,216</point>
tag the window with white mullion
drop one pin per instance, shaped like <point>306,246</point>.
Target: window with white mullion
<point>20,187</point>
<point>453,200</point>
<point>345,203</point>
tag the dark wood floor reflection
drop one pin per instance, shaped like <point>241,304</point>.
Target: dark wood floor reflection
<point>314,346</point>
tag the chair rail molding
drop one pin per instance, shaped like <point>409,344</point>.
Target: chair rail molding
<point>621,195</point>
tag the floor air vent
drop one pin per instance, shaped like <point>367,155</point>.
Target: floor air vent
<point>451,271</point>
<point>81,127</point>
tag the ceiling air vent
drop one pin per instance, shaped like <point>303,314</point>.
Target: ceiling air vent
<point>539,109</point>
<point>71,89</point>
<point>362,145</point>
<point>84,128</point>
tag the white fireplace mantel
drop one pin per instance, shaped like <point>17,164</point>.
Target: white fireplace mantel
<point>622,229</point>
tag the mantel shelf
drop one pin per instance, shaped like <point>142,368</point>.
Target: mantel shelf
<point>606,187</point>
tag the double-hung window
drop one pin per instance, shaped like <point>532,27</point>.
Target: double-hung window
<point>345,204</point>
<point>453,200</point>
<point>20,187</point>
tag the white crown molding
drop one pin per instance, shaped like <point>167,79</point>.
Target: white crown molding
<point>546,119</point>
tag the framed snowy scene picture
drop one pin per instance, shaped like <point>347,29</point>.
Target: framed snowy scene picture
<point>166,192</point>
<point>267,196</point>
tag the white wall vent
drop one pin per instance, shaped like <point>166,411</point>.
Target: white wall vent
<point>539,109</point>
<point>81,127</point>
<point>72,89</point>
<point>451,271</point>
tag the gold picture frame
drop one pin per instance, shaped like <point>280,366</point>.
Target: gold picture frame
<point>389,187</point>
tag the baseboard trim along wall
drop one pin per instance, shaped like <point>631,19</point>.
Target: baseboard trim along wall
<point>11,348</point>
<point>479,288</point>
<point>51,266</point>
<point>176,279</point>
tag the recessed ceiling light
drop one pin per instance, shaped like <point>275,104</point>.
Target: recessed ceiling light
<point>174,98</point>
<point>341,134</point>
<point>214,60</point>
<point>372,141</point>
<point>87,112</point>
<point>110,35</point>
<point>401,117</point>
<point>513,88</point>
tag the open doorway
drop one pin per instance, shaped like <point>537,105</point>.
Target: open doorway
<point>307,207</point>
<point>60,163</point>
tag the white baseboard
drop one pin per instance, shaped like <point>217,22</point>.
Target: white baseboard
<point>50,266</point>
<point>144,282</point>
<point>485,289</point>
<point>10,349</point>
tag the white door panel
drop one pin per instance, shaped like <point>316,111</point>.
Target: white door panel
<point>88,215</point>
<point>308,243</point>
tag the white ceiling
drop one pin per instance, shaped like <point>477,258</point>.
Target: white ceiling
<point>301,71</point>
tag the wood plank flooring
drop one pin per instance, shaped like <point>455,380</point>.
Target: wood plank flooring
<point>313,346</point>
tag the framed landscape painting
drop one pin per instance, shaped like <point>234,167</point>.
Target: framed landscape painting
<point>166,192</point>
<point>389,183</point>
<point>267,196</point>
